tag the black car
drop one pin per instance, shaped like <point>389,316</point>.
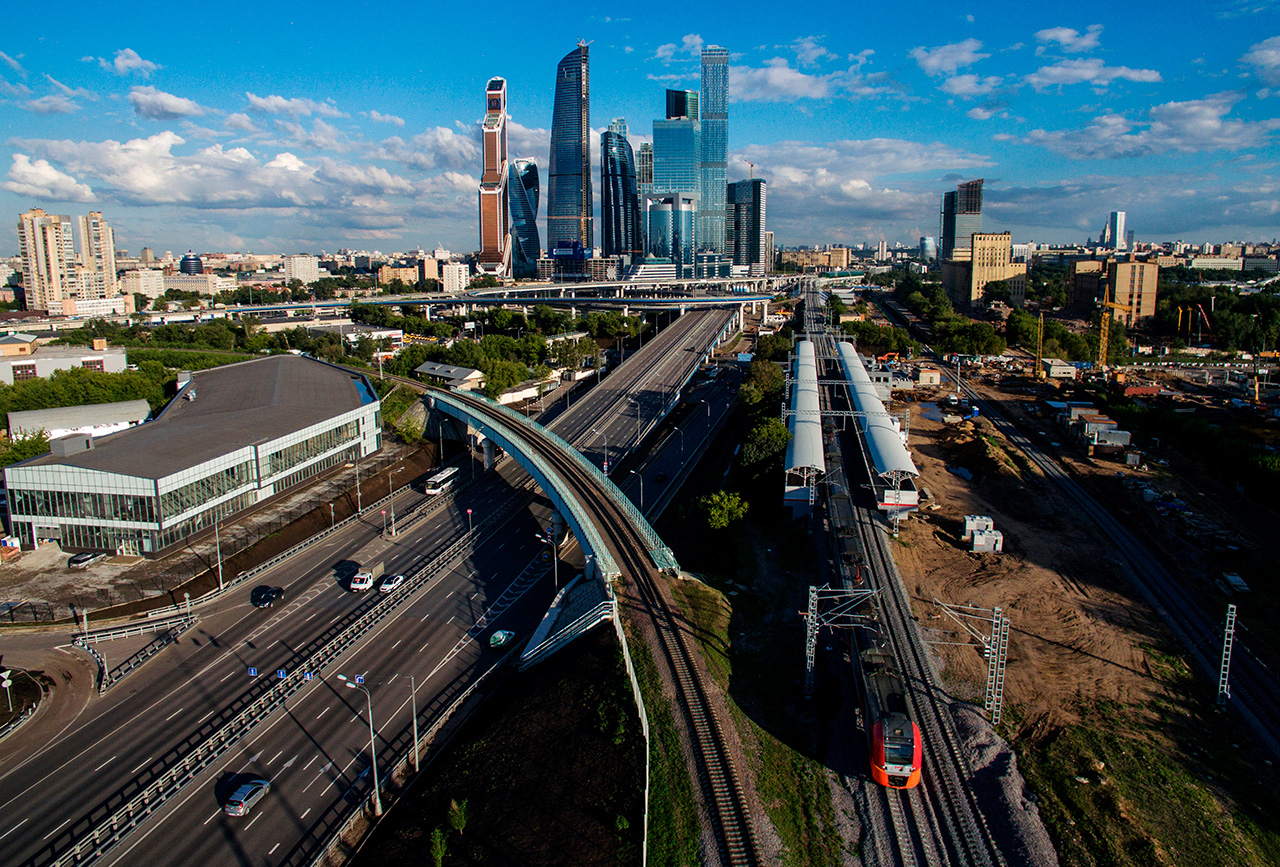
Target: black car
<point>265,597</point>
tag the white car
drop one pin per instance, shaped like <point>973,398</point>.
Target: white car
<point>361,581</point>
<point>390,583</point>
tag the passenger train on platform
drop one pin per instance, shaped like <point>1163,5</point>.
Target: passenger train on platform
<point>893,738</point>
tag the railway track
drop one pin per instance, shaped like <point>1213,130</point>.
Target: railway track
<point>717,774</point>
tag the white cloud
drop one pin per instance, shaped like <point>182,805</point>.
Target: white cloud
<point>690,46</point>
<point>627,49</point>
<point>40,180</point>
<point>78,92</point>
<point>1265,59</point>
<point>808,51</point>
<point>982,112</point>
<point>19,91</point>
<point>1087,71</point>
<point>947,58</point>
<point>970,85</point>
<point>294,107</point>
<point>13,64</point>
<point>778,81</point>
<point>1070,40</point>
<point>379,117</point>
<point>158,105</point>
<point>240,123</point>
<point>1191,126</point>
<point>443,147</point>
<point>128,61</point>
<point>54,103</point>
<point>321,137</point>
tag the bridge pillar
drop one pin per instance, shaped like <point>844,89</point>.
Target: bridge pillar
<point>626,310</point>
<point>490,454</point>
<point>557,526</point>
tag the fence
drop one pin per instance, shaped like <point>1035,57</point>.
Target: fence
<point>13,724</point>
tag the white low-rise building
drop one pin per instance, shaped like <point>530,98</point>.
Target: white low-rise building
<point>148,282</point>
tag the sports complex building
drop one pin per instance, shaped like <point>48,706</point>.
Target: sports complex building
<point>231,437</point>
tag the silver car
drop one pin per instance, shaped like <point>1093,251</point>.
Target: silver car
<point>243,798</point>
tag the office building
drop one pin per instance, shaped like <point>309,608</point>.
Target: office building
<point>682,105</point>
<point>147,257</point>
<point>644,168</point>
<point>304,268</point>
<point>669,226</point>
<point>522,198</point>
<point>990,261</point>
<point>715,148</point>
<point>961,217</point>
<point>1113,234</point>
<point>569,174</point>
<point>770,253</point>
<point>191,264</point>
<point>745,235</point>
<point>620,233</point>
<point>1133,284</point>
<point>677,156</point>
<point>928,248</point>
<point>232,437</point>
<point>495,219</point>
<point>47,246</point>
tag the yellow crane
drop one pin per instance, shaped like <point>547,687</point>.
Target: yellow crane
<point>1104,327</point>
<point>1039,373</point>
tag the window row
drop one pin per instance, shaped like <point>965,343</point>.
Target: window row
<point>201,491</point>
<point>290,456</point>
<point>81,504</point>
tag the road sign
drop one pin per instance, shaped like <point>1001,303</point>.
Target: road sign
<point>384,511</point>
<point>281,673</point>
<point>359,678</point>
<point>307,675</point>
<point>6,683</point>
<point>253,672</point>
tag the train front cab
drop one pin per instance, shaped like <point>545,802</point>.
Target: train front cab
<point>895,752</point>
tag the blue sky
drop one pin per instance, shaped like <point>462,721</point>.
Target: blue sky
<point>245,127</point>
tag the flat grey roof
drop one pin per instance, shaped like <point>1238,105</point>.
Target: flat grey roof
<point>236,406</point>
<point>444,371</point>
<point>79,416</point>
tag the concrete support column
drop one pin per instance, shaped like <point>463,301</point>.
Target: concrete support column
<point>557,526</point>
<point>490,454</point>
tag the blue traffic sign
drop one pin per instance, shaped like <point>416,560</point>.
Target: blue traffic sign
<point>307,675</point>
<point>253,672</point>
<point>359,678</point>
<point>281,673</point>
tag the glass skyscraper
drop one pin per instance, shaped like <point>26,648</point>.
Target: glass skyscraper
<point>569,174</point>
<point>715,148</point>
<point>619,202</point>
<point>644,168</point>
<point>669,222</point>
<point>961,218</point>
<point>744,224</point>
<point>677,156</point>
<point>682,103</point>
<point>522,193</point>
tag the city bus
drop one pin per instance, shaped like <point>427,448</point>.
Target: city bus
<point>442,481</point>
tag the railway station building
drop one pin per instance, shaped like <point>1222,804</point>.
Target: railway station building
<point>232,437</point>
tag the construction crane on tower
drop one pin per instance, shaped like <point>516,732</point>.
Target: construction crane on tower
<point>1104,327</point>
<point>1039,371</point>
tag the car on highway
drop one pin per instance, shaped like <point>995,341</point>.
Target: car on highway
<point>243,798</point>
<point>361,581</point>
<point>501,638</point>
<point>390,583</point>
<point>85,559</point>
<point>266,596</point>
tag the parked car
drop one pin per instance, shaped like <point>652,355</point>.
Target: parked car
<point>85,559</point>
<point>243,798</point>
<point>501,638</point>
<point>361,581</point>
<point>265,596</point>
<point>390,583</point>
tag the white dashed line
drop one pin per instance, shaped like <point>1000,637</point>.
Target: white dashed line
<point>322,713</point>
<point>175,713</point>
<point>104,764</point>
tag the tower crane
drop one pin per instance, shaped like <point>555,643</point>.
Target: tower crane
<point>1039,371</point>
<point>1104,327</point>
<point>753,168</point>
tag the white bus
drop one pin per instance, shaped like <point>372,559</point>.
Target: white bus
<point>442,481</point>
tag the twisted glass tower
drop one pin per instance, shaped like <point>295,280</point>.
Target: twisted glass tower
<point>569,173</point>
<point>619,202</point>
<point>522,193</point>
<point>715,148</point>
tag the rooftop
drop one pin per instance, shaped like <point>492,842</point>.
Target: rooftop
<point>450,372</point>
<point>68,417</point>
<point>235,406</point>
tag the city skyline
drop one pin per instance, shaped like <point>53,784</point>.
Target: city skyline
<point>1070,114</point>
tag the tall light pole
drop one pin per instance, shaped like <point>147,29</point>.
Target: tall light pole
<point>413,697</point>
<point>217,540</point>
<point>606,449</point>
<point>332,520</point>
<point>373,743</point>
<point>641,478</point>
<point>681,432</point>
<point>550,539</point>
<point>359,505</point>
<point>393,502</point>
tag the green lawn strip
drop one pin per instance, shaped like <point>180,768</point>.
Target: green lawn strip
<point>395,402</point>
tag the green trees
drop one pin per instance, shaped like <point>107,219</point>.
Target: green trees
<point>459,813</point>
<point>766,440</point>
<point>764,382</point>
<point>721,508</point>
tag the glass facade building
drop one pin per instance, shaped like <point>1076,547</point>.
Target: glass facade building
<point>682,104</point>
<point>715,148</point>
<point>677,162</point>
<point>669,227</point>
<point>569,202</point>
<point>961,218</point>
<point>644,168</point>
<point>620,233</point>
<point>522,193</point>
<point>744,224</point>
<point>495,216</point>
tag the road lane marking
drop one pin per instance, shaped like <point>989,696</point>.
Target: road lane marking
<point>273,849</point>
<point>15,827</point>
<point>423,647</point>
<point>55,830</point>
<point>308,764</point>
<point>175,713</point>
<point>304,815</point>
<point>225,676</point>
<point>104,764</point>
<point>313,616</point>
<point>141,766</point>
<point>323,712</point>
<point>394,676</point>
<point>276,756</point>
<point>255,818</point>
<point>397,644</point>
<point>211,818</point>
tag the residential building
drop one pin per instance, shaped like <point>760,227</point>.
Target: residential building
<point>715,148</point>
<point>620,232</point>
<point>833,259</point>
<point>522,198</point>
<point>990,261</point>
<point>745,235</point>
<point>428,269</point>
<point>47,246</point>
<point>682,104</point>
<point>1084,284</point>
<point>455,276</point>
<point>301,267</point>
<point>961,217</point>
<point>1133,284</point>
<point>770,255</point>
<point>149,282</point>
<point>569,202</point>
<point>232,437</point>
<point>97,269</point>
<point>205,284</point>
<point>495,213</point>
<point>406,274</point>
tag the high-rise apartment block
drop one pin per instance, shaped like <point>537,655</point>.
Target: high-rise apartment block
<point>715,148</point>
<point>770,253</point>
<point>301,267</point>
<point>745,234</point>
<point>1133,285</point>
<point>569,203</point>
<point>522,196</point>
<point>495,220</point>
<point>620,232</point>
<point>961,218</point>
<point>97,257</point>
<point>55,279</point>
<point>454,276</point>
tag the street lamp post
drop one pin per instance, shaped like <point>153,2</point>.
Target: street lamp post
<point>641,478</point>
<point>681,432</point>
<point>550,539</point>
<point>217,540</point>
<point>468,522</point>
<point>332,520</point>
<point>393,502</point>
<point>413,697</point>
<point>359,506</point>
<point>373,743</point>
<point>605,434</point>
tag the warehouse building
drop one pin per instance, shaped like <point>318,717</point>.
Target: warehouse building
<point>231,437</point>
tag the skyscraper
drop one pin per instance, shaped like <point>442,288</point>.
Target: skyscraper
<point>715,148</point>
<point>644,168</point>
<point>569,174</point>
<point>961,218</point>
<point>495,213</point>
<point>97,257</point>
<point>522,194</point>
<point>682,104</point>
<point>619,202</point>
<point>745,235</point>
<point>1114,236</point>
<point>48,253</point>
<point>669,226</point>
<point>677,156</point>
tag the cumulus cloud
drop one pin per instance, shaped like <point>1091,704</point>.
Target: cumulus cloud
<point>379,117</point>
<point>158,105</point>
<point>947,58</point>
<point>1190,126</point>
<point>442,147</point>
<point>240,122</point>
<point>40,180</point>
<point>321,137</point>
<point>983,112</point>
<point>19,90</point>
<point>294,107</point>
<point>809,51</point>
<point>968,86</point>
<point>13,64</point>
<point>127,61</point>
<point>1070,40</point>
<point>690,46</point>
<point>779,81</point>
<point>54,103</point>
<point>1090,70</point>
<point>1264,57</point>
